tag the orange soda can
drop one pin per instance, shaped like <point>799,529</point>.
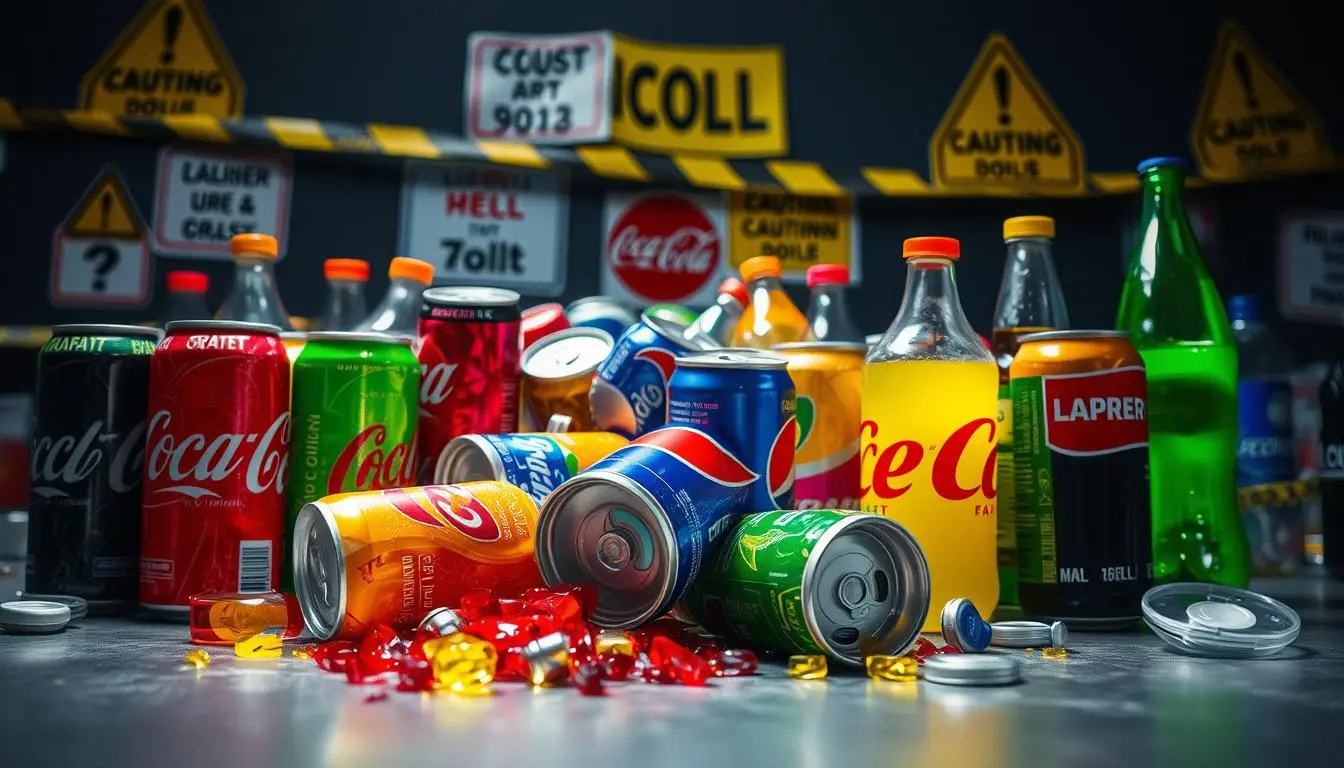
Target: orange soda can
<point>829,378</point>
<point>536,462</point>
<point>558,371</point>
<point>392,556</point>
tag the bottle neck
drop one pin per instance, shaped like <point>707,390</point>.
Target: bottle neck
<point>930,323</point>
<point>1162,190</point>
<point>1030,295</point>
<point>828,301</point>
<point>769,283</point>
<point>345,292</point>
<point>404,291</point>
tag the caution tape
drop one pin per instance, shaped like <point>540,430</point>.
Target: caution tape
<point>24,336</point>
<point>607,162</point>
<point>1277,494</point>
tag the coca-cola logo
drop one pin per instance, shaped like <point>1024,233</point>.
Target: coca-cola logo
<point>1096,413</point>
<point>391,468</point>
<point>195,461</point>
<point>663,248</point>
<point>436,383</point>
<point>66,460</point>
<point>448,504</point>
<point>893,471</point>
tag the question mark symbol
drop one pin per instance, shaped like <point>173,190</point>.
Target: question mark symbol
<point>107,258</point>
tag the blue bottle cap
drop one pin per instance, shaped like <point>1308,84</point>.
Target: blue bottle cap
<point>1247,306</point>
<point>963,628</point>
<point>1153,162</point>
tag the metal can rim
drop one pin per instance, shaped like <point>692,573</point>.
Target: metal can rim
<point>310,516</point>
<point>568,333</point>
<point>596,301</point>
<point>675,332</point>
<point>1073,335</point>
<point>106,329</point>
<point>222,325</point>
<point>454,451</point>
<point>470,296</point>
<point>755,360</point>
<point>372,337</point>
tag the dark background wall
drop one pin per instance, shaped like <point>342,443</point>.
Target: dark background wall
<point>867,83</point>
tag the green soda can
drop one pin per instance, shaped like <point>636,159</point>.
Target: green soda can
<point>847,584</point>
<point>353,414</point>
<point>674,312</point>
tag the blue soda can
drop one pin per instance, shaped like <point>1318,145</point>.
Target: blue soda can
<point>745,399</point>
<point>629,392</point>
<point>602,313</point>
<point>537,462</point>
<point>639,524</point>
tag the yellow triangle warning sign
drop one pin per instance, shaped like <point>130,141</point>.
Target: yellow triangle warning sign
<point>1251,120</point>
<point>1003,134</point>
<point>106,210</point>
<point>168,61</point>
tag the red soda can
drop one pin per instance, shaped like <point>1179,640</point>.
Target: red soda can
<point>470,353</point>
<point>216,454</point>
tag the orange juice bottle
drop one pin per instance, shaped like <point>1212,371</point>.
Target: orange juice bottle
<point>771,316</point>
<point>930,402</point>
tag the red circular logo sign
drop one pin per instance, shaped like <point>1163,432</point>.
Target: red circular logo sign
<point>663,248</point>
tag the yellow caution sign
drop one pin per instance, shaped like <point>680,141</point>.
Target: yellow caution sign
<point>691,98</point>
<point>799,231</point>
<point>1003,134</point>
<point>105,210</point>
<point>168,61</point>
<point>1251,121</point>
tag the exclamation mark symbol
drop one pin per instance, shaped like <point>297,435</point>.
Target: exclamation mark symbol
<point>1243,67</point>
<point>172,27</point>
<point>1001,93</point>
<point>106,203</point>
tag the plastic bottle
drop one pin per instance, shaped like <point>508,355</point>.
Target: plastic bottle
<point>186,297</point>
<point>1175,318</point>
<point>254,297</point>
<point>771,317</point>
<point>930,391</point>
<point>399,311</point>
<point>828,317</point>
<point>346,306</point>
<point>1030,300</point>
<point>1265,449</point>
<point>719,322</point>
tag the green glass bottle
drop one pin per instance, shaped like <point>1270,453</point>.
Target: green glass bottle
<point>1175,317</point>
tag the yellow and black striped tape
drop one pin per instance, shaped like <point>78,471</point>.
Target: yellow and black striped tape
<point>1277,494</point>
<point>608,162</point>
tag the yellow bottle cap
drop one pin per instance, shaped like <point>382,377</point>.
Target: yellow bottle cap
<point>1028,226</point>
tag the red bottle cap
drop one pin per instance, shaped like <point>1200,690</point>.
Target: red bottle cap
<point>188,282</point>
<point>827,274</point>
<point>931,247</point>
<point>541,321</point>
<point>346,269</point>
<point>735,288</point>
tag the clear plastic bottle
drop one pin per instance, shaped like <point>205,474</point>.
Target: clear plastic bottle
<point>346,306</point>
<point>771,318</point>
<point>930,392</point>
<point>719,322</point>
<point>186,297</point>
<point>828,317</point>
<point>399,311</point>
<point>1265,449</point>
<point>254,297</point>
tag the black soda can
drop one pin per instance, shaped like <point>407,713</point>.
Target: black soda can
<point>1332,469</point>
<point>87,462</point>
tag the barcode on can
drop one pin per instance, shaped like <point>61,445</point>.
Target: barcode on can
<point>254,566</point>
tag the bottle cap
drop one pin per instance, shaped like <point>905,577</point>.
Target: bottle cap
<point>1245,307</point>
<point>827,274</point>
<point>411,269</point>
<point>33,617</point>
<point>79,607</point>
<point>188,282</point>
<point>936,247</point>
<point>1028,226</point>
<point>346,269</point>
<point>1169,162</point>
<point>760,266</point>
<point>971,669</point>
<point>1212,620</point>
<point>963,628</point>
<point>255,244</point>
<point>735,288</point>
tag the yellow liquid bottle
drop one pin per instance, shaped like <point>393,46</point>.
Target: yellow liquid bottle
<point>770,317</point>
<point>929,432</point>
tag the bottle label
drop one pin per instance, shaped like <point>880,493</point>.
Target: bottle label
<point>1007,518</point>
<point>1265,446</point>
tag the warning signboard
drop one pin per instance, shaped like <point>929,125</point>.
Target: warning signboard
<point>100,253</point>
<point>204,198</point>
<point>1003,133</point>
<point>799,231</point>
<point>1251,120</point>
<point>168,61</point>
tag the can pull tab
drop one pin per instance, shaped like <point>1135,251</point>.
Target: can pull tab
<point>559,422</point>
<point>859,593</point>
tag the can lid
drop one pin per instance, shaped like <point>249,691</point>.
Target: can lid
<point>599,306</point>
<point>971,669</point>
<point>751,359</point>
<point>470,296</point>
<point>574,352</point>
<point>1073,335</point>
<point>1212,620</point>
<point>365,337</point>
<point>106,329</point>
<point>319,570</point>
<point>33,617</point>
<point>79,607</point>
<point>1022,634</point>
<point>221,325</point>
<point>674,330</point>
<point>466,458</point>
<point>822,346</point>
<point>963,628</point>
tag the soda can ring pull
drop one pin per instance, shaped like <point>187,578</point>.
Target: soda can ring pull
<point>559,422</point>
<point>963,628</point>
<point>443,622</point>
<point>1029,634</point>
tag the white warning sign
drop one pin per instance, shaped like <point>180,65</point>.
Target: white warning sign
<point>203,198</point>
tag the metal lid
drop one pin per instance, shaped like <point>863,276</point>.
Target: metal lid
<point>470,296</point>
<point>1212,620</point>
<point>971,669</point>
<point>106,329</point>
<point>1028,634</point>
<point>443,622</point>
<point>319,570</point>
<point>566,354</point>
<point>963,628</point>
<point>603,529</point>
<point>221,325</point>
<point>360,336</point>
<point>868,587</point>
<point>823,346</point>
<point>1073,335</point>
<point>466,458</point>
<point>33,617</point>
<point>752,359</point>
<point>79,607</point>
<point>675,332</point>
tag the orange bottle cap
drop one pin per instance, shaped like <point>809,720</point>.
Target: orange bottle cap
<point>760,266</point>
<point>411,269</point>
<point>254,243</point>
<point>735,288</point>
<point>346,269</point>
<point>931,247</point>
